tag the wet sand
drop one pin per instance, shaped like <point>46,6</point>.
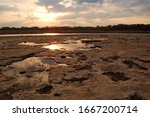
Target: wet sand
<point>75,67</point>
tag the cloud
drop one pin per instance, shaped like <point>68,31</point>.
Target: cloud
<point>115,7</point>
<point>89,1</point>
<point>56,2</point>
<point>73,12</point>
<point>4,8</point>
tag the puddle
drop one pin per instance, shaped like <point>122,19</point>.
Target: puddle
<point>69,45</point>
<point>33,62</point>
<point>32,44</point>
<point>33,71</point>
<point>36,64</point>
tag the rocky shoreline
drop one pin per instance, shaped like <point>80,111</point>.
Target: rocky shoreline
<point>108,67</point>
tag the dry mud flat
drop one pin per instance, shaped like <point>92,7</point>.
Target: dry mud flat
<point>75,67</point>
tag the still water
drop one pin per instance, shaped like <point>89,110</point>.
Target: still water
<point>69,45</point>
<point>54,34</point>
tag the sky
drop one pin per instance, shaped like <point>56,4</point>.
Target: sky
<point>17,13</point>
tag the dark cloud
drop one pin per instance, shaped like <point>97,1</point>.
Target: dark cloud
<point>77,7</point>
<point>56,2</point>
<point>89,1</point>
<point>130,3</point>
<point>4,8</point>
<point>56,7</point>
<point>48,2</point>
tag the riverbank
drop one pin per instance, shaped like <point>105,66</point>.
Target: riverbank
<point>106,67</point>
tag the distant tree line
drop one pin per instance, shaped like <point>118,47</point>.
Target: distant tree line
<point>48,28</point>
<point>110,28</point>
<point>124,27</point>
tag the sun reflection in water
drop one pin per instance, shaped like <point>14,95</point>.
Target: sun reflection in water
<point>53,47</point>
<point>68,45</point>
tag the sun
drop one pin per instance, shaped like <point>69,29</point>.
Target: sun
<point>46,17</point>
<point>43,15</point>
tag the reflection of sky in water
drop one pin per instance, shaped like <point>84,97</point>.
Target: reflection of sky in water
<point>32,44</point>
<point>37,63</point>
<point>67,45</point>
<point>33,62</point>
<point>34,71</point>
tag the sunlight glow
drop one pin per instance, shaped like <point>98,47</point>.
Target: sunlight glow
<point>43,15</point>
<point>53,47</point>
<point>48,17</point>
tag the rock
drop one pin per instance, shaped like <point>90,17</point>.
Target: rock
<point>132,64</point>
<point>3,79</point>
<point>135,96</point>
<point>58,82</point>
<point>94,46</point>
<point>57,94</point>
<point>83,67</point>
<point>142,60</point>
<point>110,58</point>
<point>117,76</point>
<point>10,73</point>
<point>86,66</point>
<point>45,89</point>
<point>22,72</point>
<point>63,56</point>
<point>73,79</point>
<point>28,75</point>
<point>7,93</point>
<point>47,60</point>
<point>5,96</point>
<point>37,69</point>
<point>90,40</point>
<point>81,56</point>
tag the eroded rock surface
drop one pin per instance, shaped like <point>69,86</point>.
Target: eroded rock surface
<point>107,67</point>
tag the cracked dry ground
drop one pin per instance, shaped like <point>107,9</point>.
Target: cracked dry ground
<point>119,70</point>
